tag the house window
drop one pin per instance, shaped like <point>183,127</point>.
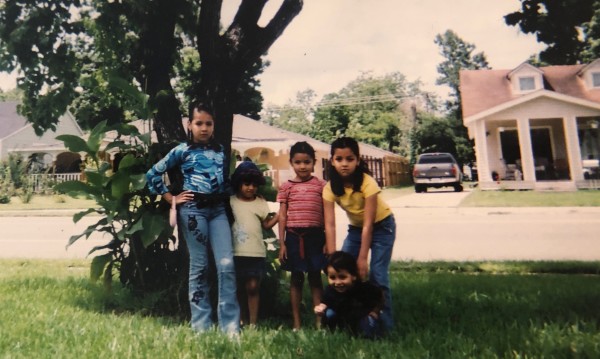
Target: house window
<point>596,79</point>
<point>527,83</point>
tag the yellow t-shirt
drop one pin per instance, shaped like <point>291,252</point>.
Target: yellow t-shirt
<point>354,202</point>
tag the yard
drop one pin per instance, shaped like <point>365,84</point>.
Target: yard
<point>442,310</point>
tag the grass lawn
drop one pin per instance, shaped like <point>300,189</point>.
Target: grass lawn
<point>581,198</point>
<point>39,202</point>
<point>442,310</point>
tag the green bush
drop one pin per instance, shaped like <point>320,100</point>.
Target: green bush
<point>6,185</point>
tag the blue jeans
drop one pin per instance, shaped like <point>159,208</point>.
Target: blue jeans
<point>384,235</point>
<point>203,228</point>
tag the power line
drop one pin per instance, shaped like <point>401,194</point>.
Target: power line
<point>349,101</point>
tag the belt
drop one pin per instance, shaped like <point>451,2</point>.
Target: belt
<point>209,200</point>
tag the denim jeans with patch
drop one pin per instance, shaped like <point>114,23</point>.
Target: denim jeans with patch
<point>205,228</point>
<point>384,235</point>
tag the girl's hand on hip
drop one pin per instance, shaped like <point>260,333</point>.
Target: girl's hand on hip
<point>183,197</point>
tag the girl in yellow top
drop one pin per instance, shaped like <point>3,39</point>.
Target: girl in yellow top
<point>372,225</point>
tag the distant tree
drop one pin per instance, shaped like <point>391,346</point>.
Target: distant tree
<point>11,95</point>
<point>458,55</point>
<point>370,109</point>
<point>96,52</point>
<point>568,27</point>
<point>434,134</point>
<point>295,116</point>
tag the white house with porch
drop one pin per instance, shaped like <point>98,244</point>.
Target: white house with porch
<point>534,128</point>
<point>47,155</point>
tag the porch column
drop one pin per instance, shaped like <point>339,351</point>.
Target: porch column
<point>573,149</point>
<point>527,161</point>
<point>481,152</point>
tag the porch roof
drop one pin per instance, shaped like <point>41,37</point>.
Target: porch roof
<point>483,90</point>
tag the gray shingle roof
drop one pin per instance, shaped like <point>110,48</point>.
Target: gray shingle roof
<point>10,120</point>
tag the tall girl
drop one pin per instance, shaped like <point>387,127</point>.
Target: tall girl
<point>202,218</point>
<point>372,225</point>
<point>301,232</point>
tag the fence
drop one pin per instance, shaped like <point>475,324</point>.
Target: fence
<point>42,181</point>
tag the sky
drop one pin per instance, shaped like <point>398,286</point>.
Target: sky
<point>332,42</point>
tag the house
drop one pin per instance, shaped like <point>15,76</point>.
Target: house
<point>45,152</point>
<point>270,145</point>
<point>251,139</point>
<point>534,128</point>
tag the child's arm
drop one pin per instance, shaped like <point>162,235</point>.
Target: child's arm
<point>270,221</point>
<point>320,309</point>
<point>379,300</point>
<point>366,236</point>
<point>282,224</point>
<point>329,212</point>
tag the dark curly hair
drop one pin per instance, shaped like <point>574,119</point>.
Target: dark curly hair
<point>246,172</point>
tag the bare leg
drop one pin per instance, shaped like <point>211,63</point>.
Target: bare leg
<point>316,291</point>
<point>296,296</point>
<point>241,297</point>
<point>253,294</point>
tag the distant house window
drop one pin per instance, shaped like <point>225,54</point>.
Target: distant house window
<point>596,79</point>
<point>526,83</point>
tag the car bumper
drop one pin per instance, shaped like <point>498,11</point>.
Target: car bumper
<point>436,180</point>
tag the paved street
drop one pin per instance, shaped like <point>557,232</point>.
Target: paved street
<point>431,226</point>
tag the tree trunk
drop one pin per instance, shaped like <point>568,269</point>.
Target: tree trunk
<point>225,58</point>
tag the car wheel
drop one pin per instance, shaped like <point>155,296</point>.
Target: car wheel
<point>419,188</point>
<point>458,188</point>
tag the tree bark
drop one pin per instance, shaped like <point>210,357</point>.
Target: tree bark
<point>225,58</point>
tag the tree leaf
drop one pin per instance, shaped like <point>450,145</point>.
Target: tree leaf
<point>153,226</point>
<point>74,143</point>
<point>99,263</point>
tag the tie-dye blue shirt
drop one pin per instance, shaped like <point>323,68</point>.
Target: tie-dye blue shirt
<point>201,166</point>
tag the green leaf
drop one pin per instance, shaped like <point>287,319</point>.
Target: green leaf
<point>80,215</point>
<point>75,144</point>
<point>119,185</point>
<point>138,182</point>
<point>115,144</point>
<point>74,188</point>
<point>96,136</point>
<point>99,263</point>
<point>127,161</point>
<point>153,226</point>
<point>95,179</point>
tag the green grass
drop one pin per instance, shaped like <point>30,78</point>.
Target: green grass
<point>581,198</point>
<point>40,202</point>
<point>442,310</point>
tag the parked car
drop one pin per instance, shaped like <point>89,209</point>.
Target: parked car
<point>437,170</point>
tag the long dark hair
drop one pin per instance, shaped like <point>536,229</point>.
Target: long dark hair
<point>337,184</point>
<point>201,106</point>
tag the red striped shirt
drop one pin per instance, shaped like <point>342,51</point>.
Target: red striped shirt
<point>304,202</point>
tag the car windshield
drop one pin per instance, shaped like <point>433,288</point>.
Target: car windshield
<point>435,159</point>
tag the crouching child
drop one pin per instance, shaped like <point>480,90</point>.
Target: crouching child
<point>348,303</point>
